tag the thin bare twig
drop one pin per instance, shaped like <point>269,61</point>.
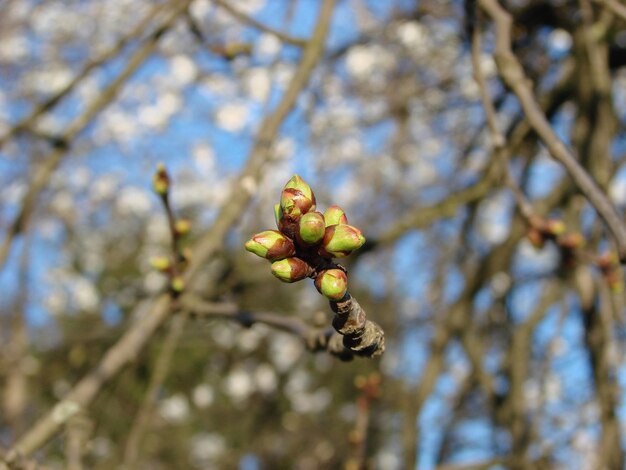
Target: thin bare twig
<point>286,38</point>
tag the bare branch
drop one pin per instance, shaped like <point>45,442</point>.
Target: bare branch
<point>513,75</point>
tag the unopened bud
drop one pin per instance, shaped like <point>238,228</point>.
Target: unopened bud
<point>341,240</point>
<point>297,198</point>
<point>271,244</point>
<point>615,279</point>
<point>290,269</point>
<point>335,215</point>
<point>554,227</point>
<point>571,241</point>
<point>182,227</point>
<point>161,180</point>
<point>160,263</point>
<point>332,283</point>
<point>312,228</point>
<point>177,284</point>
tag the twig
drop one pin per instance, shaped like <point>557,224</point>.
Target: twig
<point>315,339</point>
<point>260,26</point>
<point>136,337</point>
<point>513,75</point>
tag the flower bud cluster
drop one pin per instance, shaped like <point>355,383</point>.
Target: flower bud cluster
<point>542,230</point>
<point>307,240</point>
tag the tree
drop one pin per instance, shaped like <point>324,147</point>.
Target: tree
<point>478,145</point>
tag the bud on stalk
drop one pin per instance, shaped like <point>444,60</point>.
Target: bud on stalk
<point>290,269</point>
<point>161,180</point>
<point>311,228</point>
<point>332,283</point>
<point>341,240</point>
<point>554,227</point>
<point>335,215</point>
<point>271,244</point>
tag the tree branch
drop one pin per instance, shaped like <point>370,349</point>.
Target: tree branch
<point>514,77</point>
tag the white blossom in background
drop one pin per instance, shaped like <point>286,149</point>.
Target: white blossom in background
<point>205,448</point>
<point>232,117</point>
<point>13,48</point>
<point>48,80</point>
<point>134,201</point>
<point>174,409</point>
<point>153,281</point>
<point>84,294</point>
<point>267,47</point>
<point>265,378</point>
<point>203,395</point>
<point>560,40</point>
<point>183,69</point>
<point>239,384</point>
<point>494,225</point>
<point>552,388</point>
<point>617,190</point>
<point>248,340</point>
<point>285,351</point>
<point>204,158</point>
<point>257,83</point>
<point>218,85</point>
<point>363,61</point>
<point>56,302</point>
<point>412,34</point>
<point>224,335</point>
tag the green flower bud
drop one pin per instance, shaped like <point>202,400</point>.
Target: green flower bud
<point>341,240</point>
<point>290,269</point>
<point>161,263</point>
<point>332,283</point>
<point>311,228</point>
<point>554,227</point>
<point>271,245</point>
<point>177,284</point>
<point>182,227</point>
<point>297,198</point>
<point>335,215</point>
<point>161,180</point>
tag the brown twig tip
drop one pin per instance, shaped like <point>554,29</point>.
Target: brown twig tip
<point>360,335</point>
